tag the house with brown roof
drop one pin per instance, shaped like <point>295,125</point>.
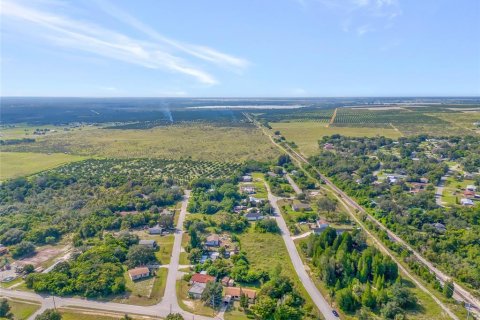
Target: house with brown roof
<point>138,273</point>
<point>234,293</point>
<point>201,278</point>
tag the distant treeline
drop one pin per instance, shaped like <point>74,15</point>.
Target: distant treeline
<point>16,141</point>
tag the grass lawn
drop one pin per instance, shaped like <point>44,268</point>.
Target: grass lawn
<point>261,191</point>
<point>199,141</point>
<point>166,246</point>
<point>265,251</point>
<point>68,314</point>
<point>306,134</point>
<point>144,292</point>
<point>17,164</point>
<point>234,313</point>
<point>190,305</point>
<point>454,189</point>
<point>22,309</point>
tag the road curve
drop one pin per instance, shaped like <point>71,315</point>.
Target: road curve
<point>168,304</point>
<point>460,293</point>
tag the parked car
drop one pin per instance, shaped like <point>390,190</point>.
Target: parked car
<point>335,313</point>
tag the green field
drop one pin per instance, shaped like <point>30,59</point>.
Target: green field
<point>17,164</point>
<point>198,141</point>
<point>307,134</point>
<point>22,309</point>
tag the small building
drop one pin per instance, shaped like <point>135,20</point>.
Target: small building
<point>3,250</point>
<point>246,178</point>
<point>166,212</point>
<point>321,225</point>
<point>424,180</point>
<point>138,273</point>
<point>392,179</point>
<point>328,146</point>
<point>300,206</point>
<point>148,243</point>
<point>247,189</point>
<point>225,281</point>
<point>469,194</point>
<point>196,290</point>
<point>238,209</point>
<point>255,200</point>
<point>155,230</point>
<point>440,227</point>
<point>466,202</point>
<point>213,240</point>
<point>236,292</point>
<point>201,278</point>
<point>471,187</point>
<point>254,215</point>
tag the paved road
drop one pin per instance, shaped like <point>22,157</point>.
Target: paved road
<point>168,304</point>
<point>307,282</point>
<point>439,191</point>
<point>460,293</point>
<point>295,187</point>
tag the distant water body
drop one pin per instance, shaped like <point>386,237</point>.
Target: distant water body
<point>250,107</point>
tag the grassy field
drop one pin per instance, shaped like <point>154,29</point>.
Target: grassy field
<point>17,164</point>
<point>462,121</point>
<point>173,142</point>
<point>22,309</point>
<point>265,251</point>
<point>306,134</point>
<point>68,314</point>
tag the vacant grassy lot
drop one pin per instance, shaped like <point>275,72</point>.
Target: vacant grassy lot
<point>68,314</point>
<point>17,164</point>
<point>461,121</point>
<point>306,134</point>
<point>197,141</point>
<point>266,251</point>
<point>22,309</point>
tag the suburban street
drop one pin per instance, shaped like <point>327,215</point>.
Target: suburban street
<point>298,265</point>
<point>168,304</point>
<point>460,293</point>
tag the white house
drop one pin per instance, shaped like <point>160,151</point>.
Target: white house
<point>466,202</point>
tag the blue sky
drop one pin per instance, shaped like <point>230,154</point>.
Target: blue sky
<point>290,48</point>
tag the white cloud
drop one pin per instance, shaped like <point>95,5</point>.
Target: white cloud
<point>364,16</point>
<point>198,51</point>
<point>80,35</point>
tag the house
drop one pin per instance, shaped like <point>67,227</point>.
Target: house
<point>328,146</point>
<point>234,293</point>
<point>423,180</point>
<point>238,209</point>
<point>321,226</point>
<point>255,200</point>
<point>138,273</point>
<point>166,212</point>
<point>213,240</point>
<point>3,249</point>
<point>471,187</point>
<point>392,179</point>
<point>466,202</point>
<point>247,189</point>
<point>300,206</point>
<point>247,178</point>
<point>254,215</point>
<point>155,230</point>
<point>148,243</point>
<point>196,290</point>
<point>227,282</point>
<point>440,227</point>
<point>469,194</point>
<point>201,278</point>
